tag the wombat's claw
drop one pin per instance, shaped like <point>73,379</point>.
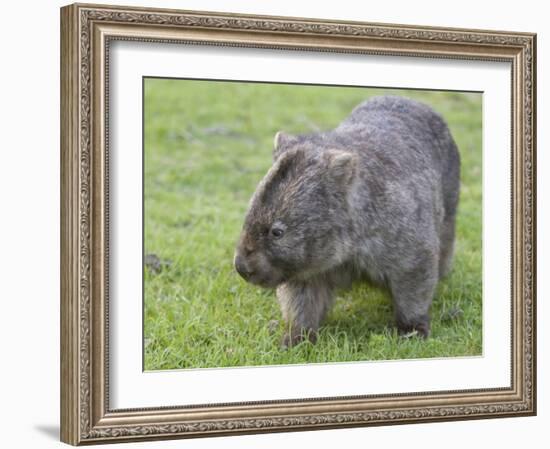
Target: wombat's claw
<point>290,340</point>
<point>421,330</point>
<point>285,341</point>
<point>410,334</point>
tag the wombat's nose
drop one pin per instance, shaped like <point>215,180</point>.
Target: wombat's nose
<point>242,268</point>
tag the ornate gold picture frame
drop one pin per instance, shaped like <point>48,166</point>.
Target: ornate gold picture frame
<point>87,32</point>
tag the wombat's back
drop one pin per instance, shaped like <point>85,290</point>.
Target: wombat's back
<point>387,122</point>
<point>404,138</point>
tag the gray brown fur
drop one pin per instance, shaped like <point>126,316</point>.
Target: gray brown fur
<point>375,199</point>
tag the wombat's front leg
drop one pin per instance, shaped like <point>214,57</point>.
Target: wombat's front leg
<point>304,304</point>
<point>412,293</point>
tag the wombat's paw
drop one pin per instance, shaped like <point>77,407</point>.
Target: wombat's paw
<point>421,329</point>
<point>294,338</point>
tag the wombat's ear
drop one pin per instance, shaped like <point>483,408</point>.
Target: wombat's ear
<point>341,165</point>
<point>281,143</point>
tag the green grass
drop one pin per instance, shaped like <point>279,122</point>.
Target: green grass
<point>207,145</point>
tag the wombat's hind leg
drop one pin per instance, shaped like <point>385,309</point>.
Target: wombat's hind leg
<point>412,296</point>
<point>447,243</point>
<point>303,305</point>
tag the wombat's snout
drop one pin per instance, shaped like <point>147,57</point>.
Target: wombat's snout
<point>255,268</point>
<point>242,267</point>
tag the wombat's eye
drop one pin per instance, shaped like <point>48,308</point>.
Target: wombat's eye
<point>277,232</point>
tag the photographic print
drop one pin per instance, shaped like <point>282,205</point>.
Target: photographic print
<point>293,224</point>
<point>279,224</point>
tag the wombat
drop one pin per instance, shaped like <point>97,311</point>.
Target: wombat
<point>375,199</point>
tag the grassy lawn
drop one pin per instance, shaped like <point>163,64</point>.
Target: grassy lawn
<point>207,145</point>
